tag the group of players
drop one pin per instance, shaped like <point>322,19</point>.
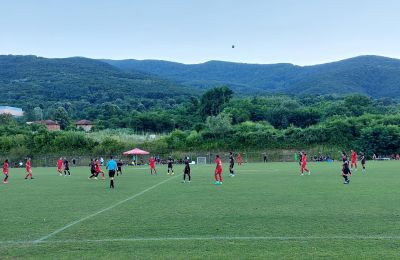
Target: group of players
<point>6,167</point>
<point>95,169</point>
<point>186,170</point>
<point>346,169</point>
<point>346,172</point>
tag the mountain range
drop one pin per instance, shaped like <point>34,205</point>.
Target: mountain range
<point>32,80</point>
<point>375,76</point>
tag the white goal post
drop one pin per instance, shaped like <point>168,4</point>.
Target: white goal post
<point>201,160</point>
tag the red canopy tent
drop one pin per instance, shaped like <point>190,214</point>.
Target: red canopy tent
<point>136,151</point>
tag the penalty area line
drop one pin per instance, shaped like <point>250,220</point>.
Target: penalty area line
<point>100,211</point>
<point>221,238</point>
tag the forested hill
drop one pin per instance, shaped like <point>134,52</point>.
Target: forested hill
<point>35,81</point>
<point>372,75</point>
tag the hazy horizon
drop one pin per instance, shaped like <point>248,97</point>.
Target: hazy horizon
<point>363,55</point>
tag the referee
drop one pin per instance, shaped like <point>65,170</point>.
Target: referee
<point>112,167</point>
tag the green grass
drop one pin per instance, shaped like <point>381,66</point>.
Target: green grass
<point>267,211</point>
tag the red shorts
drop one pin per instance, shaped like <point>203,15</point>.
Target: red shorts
<point>353,161</point>
<point>218,170</point>
<point>6,173</point>
<point>152,166</point>
<point>303,165</point>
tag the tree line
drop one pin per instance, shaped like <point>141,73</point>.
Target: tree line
<point>219,120</point>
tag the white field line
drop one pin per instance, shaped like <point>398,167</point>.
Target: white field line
<point>272,238</point>
<point>100,211</point>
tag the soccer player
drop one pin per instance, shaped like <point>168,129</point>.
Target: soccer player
<point>152,164</point>
<point>111,167</point>
<point>363,161</point>
<point>120,163</point>
<point>186,171</point>
<point>60,163</point>
<point>28,169</point>
<point>99,170</point>
<point>6,165</point>
<point>304,164</point>
<point>218,171</point>
<point>231,165</point>
<point>93,169</point>
<point>239,159</point>
<point>353,160</point>
<point>300,158</point>
<point>344,157</point>
<point>66,167</point>
<point>170,163</point>
<point>346,172</point>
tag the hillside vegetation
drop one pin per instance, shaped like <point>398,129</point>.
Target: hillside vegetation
<point>371,75</point>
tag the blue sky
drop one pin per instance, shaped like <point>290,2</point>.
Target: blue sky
<point>302,32</point>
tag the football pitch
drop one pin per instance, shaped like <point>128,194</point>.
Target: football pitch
<point>267,211</point>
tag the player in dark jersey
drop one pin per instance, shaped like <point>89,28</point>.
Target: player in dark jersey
<point>93,169</point>
<point>344,157</point>
<point>231,165</point>
<point>299,157</point>
<point>186,171</point>
<point>346,173</point>
<point>120,163</point>
<point>66,167</point>
<point>363,161</point>
<point>170,165</point>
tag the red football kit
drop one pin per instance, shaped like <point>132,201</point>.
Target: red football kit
<point>152,163</point>
<point>218,170</point>
<point>59,165</point>
<point>6,165</point>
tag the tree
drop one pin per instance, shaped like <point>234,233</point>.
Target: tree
<point>380,139</point>
<point>357,104</point>
<point>6,119</point>
<point>38,112</point>
<point>214,100</point>
<point>220,124</point>
<point>61,116</point>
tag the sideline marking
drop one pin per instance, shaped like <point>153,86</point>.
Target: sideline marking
<point>143,239</point>
<point>99,212</point>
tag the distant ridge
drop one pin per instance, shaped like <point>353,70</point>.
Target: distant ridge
<point>31,80</point>
<point>375,76</point>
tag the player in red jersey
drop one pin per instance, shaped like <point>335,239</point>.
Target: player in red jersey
<point>28,169</point>
<point>353,160</point>
<point>239,159</point>
<point>60,163</point>
<point>218,171</point>
<point>152,164</point>
<point>6,165</point>
<point>304,164</point>
<point>99,170</point>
